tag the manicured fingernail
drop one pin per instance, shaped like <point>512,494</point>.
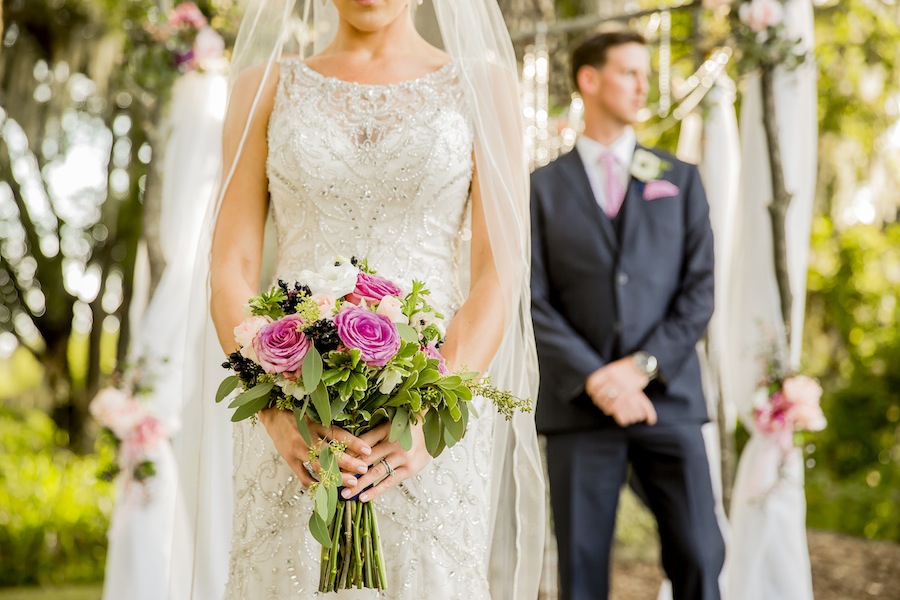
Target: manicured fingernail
<point>362,468</point>
<point>350,482</point>
<point>364,497</point>
<point>346,493</point>
<point>366,450</point>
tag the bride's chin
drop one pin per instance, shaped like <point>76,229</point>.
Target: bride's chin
<point>371,15</point>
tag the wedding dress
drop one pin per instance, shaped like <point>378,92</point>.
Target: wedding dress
<point>381,172</point>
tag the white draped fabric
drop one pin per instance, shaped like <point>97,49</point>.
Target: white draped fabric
<point>713,142</point>
<point>139,563</point>
<point>768,556</point>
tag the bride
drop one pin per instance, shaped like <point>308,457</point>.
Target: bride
<point>385,147</point>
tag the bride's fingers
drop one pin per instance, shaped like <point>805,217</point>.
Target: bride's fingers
<point>353,459</point>
<point>377,435</point>
<point>376,473</point>
<point>384,485</point>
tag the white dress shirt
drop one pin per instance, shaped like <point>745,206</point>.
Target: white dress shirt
<point>590,152</point>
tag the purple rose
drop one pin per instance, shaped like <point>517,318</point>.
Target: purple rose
<point>373,288</point>
<point>280,347</point>
<point>374,335</point>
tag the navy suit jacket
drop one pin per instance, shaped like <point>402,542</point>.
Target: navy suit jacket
<point>599,294</point>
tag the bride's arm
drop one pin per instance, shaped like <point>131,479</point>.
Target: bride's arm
<point>237,255</point>
<point>472,340</point>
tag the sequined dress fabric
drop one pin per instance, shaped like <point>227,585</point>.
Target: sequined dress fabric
<point>382,172</point>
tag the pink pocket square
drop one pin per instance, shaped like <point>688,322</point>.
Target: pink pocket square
<point>659,188</point>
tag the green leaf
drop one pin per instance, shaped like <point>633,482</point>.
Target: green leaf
<point>319,529</point>
<point>323,405</point>
<point>406,438</point>
<point>428,376</point>
<point>398,424</point>
<point>226,387</point>
<point>302,427</point>
<point>433,431</point>
<point>451,399</point>
<point>322,504</point>
<point>450,382</point>
<point>328,460</point>
<point>253,393</point>
<point>454,428</point>
<point>463,393</point>
<point>251,408</point>
<point>415,402</point>
<point>407,333</point>
<point>400,399</point>
<point>332,502</point>
<point>358,381</point>
<point>311,371</point>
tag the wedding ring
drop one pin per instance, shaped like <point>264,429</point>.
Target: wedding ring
<point>611,394</point>
<point>388,467</point>
<point>309,469</point>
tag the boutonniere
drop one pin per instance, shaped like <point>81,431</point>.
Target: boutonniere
<point>646,166</point>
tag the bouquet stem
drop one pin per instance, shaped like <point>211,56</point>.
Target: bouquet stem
<point>355,558</point>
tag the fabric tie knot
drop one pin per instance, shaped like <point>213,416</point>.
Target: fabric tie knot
<point>614,188</point>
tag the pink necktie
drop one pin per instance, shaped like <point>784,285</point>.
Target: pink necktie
<point>615,191</point>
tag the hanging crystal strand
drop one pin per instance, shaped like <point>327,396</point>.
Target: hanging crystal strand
<point>542,97</point>
<point>573,124</point>
<point>665,63</point>
<point>528,104</point>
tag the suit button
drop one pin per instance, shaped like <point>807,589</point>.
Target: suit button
<point>622,279</point>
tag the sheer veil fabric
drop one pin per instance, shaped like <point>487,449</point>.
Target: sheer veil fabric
<point>474,34</point>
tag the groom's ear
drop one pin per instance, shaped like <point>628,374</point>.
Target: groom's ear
<point>587,80</point>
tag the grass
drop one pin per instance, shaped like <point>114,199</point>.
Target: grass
<point>91,592</point>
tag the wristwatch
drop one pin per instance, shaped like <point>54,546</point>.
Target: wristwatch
<point>646,363</point>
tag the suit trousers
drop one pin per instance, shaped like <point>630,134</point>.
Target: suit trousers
<point>587,470</point>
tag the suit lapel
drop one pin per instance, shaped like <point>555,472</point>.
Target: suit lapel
<point>574,173</point>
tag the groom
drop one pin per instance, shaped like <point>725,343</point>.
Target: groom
<point>622,290</point>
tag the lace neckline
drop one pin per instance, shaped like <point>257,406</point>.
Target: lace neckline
<point>446,67</point>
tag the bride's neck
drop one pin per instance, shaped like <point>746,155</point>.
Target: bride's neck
<point>400,36</point>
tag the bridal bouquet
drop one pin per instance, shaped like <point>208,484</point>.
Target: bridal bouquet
<point>189,39</point>
<point>348,347</point>
<point>135,431</point>
<point>787,405</point>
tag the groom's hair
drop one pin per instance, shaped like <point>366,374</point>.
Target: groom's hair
<point>593,51</point>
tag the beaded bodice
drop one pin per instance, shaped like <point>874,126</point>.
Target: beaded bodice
<point>375,171</point>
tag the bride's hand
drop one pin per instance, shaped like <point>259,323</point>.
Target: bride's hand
<point>290,444</point>
<point>405,464</point>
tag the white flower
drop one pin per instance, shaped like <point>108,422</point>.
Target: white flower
<point>759,15</point>
<point>116,410</point>
<point>246,331</point>
<point>389,379</point>
<point>392,308</point>
<point>208,47</point>
<point>336,279</point>
<point>646,166</point>
<point>292,388</point>
<point>421,320</point>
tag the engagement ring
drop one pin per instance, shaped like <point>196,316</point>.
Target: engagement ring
<point>309,469</point>
<point>388,467</point>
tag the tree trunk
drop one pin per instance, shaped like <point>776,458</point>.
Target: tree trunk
<point>781,199</point>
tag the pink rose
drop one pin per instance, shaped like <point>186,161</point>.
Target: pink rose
<point>373,288</point>
<point>188,14</point>
<point>246,332</point>
<point>208,47</point>
<point>432,352</point>
<point>280,346</point>
<point>149,433</point>
<point>392,308</point>
<point>773,416</point>
<point>117,411</point>
<point>759,15</point>
<point>374,335</point>
<point>325,302</point>
<point>804,395</point>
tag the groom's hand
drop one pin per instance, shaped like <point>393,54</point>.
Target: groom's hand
<point>612,381</point>
<point>631,409</point>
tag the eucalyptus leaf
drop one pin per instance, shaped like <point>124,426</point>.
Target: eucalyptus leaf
<point>253,393</point>
<point>322,404</point>
<point>449,382</point>
<point>302,427</point>
<point>311,371</point>
<point>251,408</point>
<point>406,438</point>
<point>322,504</point>
<point>400,399</point>
<point>319,529</point>
<point>398,424</point>
<point>432,431</point>
<point>451,399</point>
<point>428,376</point>
<point>332,502</point>
<point>226,387</point>
<point>456,427</point>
